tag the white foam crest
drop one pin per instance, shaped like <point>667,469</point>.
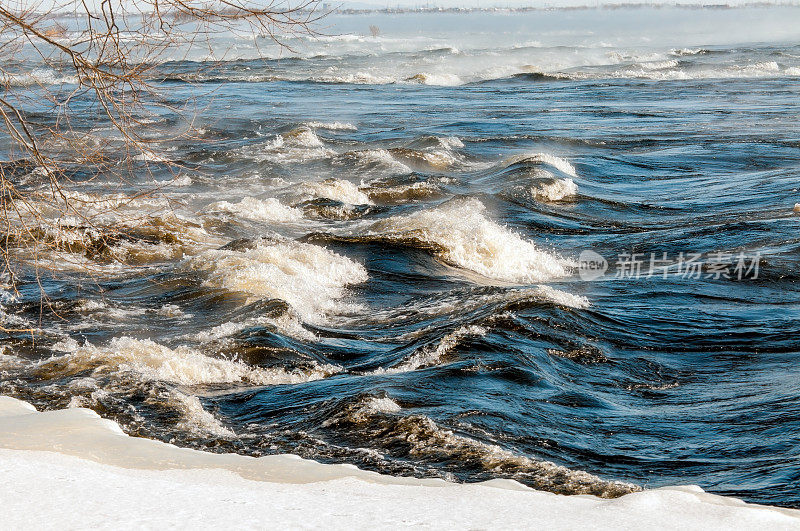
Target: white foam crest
<point>764,66</point>
<point>688,51</point>
<point>287,323</point>
<point>556,190</point>
<point>430,356</point>
<point>403,193</point>
<point>9,320</point>
<point>40,76</point>
<point>356,78</point>
<point>297,145</point>
<point>183,365</point>
<point>450,142</point>
<point>7,359</point>
<point>793,71</point>
<point>425,437</point>
<point>437,79</point>
<point>468,239</point>
<point>335,189</point>
<point>301,137</point>
<point>332,126</point>
<point>149,156</point>
<point>310,278</point>
<point>364,409</point>
<point>269,209</point>
<point>562,297</point>
<point>659,65</point>
<point>379,156</point>
<point>194,418</point>
<point>560,164</point>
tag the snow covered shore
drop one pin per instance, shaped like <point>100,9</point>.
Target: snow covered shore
<point>72,469</point>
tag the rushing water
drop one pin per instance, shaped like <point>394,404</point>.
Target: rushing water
<point>372,254</point>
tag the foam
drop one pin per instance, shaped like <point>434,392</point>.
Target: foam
<point>464,236</point>
<point>332,126</point>
<point>688,51</point>
<point>439,79</point>
<point>365,409</point>
<point>356,78</point>
<point>194,418</point>
<point>403,192</point>
<point>450,142</point>
<point>426,357</point>
<point>560,164</point>
<point>269,209</point>
<point>381,157</point>
<point>556,190</point>
<point>439,159</point>
<point>150,361</point>
<point>335,189</point>
<point>39,76</point>
<point>559,297</point>
<point>310,278</point>
<point>421,436</point>
<point>298,145</point>
<point>659,65</point>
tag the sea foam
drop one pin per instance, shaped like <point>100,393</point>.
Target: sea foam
<point>555,190</point>
<point>465,237</point>
<point>269,209</point>
<point>310,278</point>
<point>335,189</point>
<point>151,361</point>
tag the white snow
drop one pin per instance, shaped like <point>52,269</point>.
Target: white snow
<point>71,469</point>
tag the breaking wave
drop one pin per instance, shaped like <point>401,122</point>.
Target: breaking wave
<point>150,361</point>
<point>460,233</point>
<point>418,436</point>
<point>310,278</point>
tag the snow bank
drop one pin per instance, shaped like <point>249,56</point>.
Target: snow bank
<point>103,478</point>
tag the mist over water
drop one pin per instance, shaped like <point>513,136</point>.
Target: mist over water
<point>371,254</point>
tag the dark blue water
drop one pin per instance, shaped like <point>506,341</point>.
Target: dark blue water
<point>420,307</point>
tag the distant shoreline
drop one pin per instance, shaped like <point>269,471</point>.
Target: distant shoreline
<point>585,7</point>
<point>331,9</point>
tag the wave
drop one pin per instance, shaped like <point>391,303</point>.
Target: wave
<point>537,76</point>
<point>38,77</point>
<point>442,80</point>
<point>151,361</point>
<point>459,232</point>
<point>355,78</point>
<point>270,210</point>
<point>658,65</point>
<point>556,190</point>
<point>298,145</point>
<point>560,164</point>
<point>374,157</point>
<point>690,51</point>
<point>102,376</point>
<point>380,420</point>
<point>334,189</point>
<point>308,277</point>
<point>436,159</point>
<point>431,356</point>
<point>332,126</point>
<point>403,193</point>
